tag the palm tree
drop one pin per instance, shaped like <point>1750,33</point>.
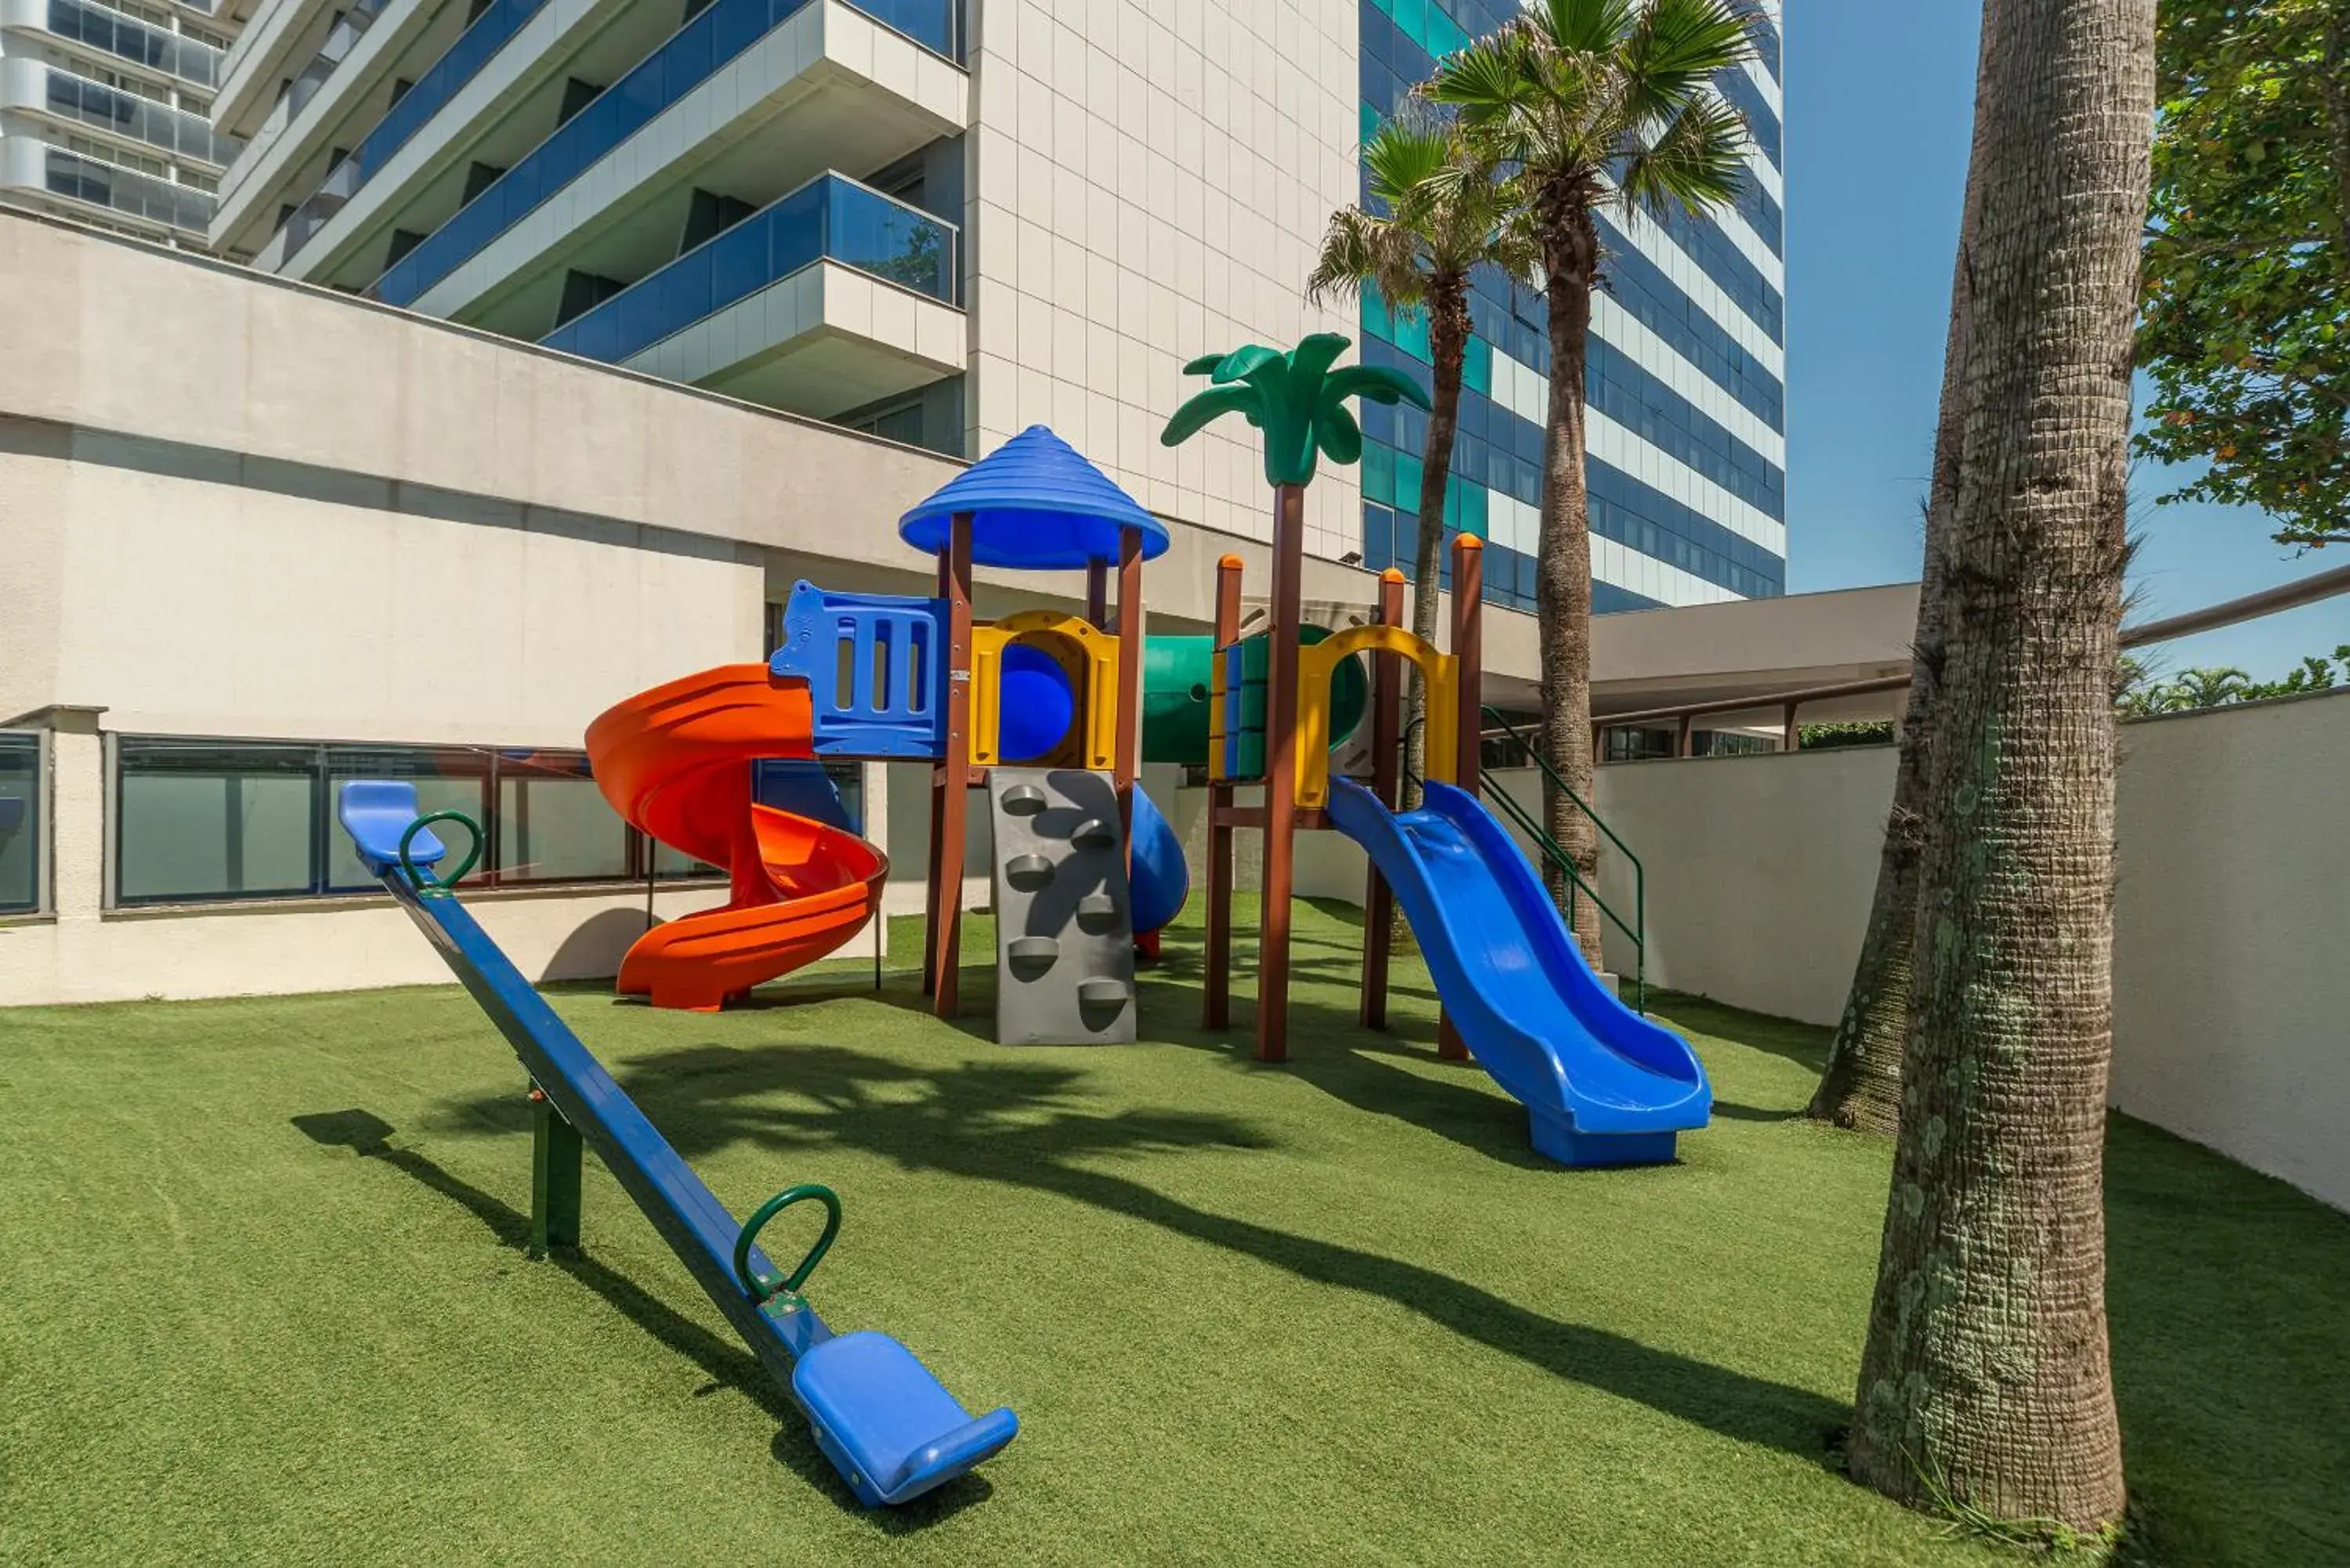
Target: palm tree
<point>1593,104</point>
<point>1984,1380</point>
<point>1438,214</point>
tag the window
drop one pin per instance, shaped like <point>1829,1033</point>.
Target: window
<point>208,821</point>
<point>20,823</point>
<point>552,824</point>
<point>902,423</point>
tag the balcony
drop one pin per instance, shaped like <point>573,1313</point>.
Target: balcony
<point>111,33</point>
<point>60,96</point>
<point>67,177</point>
<point>783,308</point>
<point>717,86</point>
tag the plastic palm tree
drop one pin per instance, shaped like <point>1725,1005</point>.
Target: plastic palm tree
<point>1296,399</point>
<point>1595,104</point>
<point>1438,212</point>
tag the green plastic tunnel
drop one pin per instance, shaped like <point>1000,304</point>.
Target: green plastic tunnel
<point>1178,673</point>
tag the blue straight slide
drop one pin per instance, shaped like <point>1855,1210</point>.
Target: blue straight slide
<point>1602,1083</point>
<point>885,1423</point>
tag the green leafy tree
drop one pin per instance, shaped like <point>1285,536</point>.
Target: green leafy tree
<point>1593,105</point>
<point>2245,318</point>
<point>1437,213</point>
<point>1296,399</point>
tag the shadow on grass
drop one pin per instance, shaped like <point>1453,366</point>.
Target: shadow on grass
<point>1029,1125</point>
<point>728,1365</point>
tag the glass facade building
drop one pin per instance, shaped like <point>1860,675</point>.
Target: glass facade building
<point>106,113</point>
<point>1683,385</point>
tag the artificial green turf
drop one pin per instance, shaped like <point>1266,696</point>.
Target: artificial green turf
<point>262,1298</point>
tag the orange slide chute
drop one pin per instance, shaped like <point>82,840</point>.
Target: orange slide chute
<point>676,762</point>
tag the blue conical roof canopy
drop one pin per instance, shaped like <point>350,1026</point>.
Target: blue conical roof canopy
<point>1036,505</point>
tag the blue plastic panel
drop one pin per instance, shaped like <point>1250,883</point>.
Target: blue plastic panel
<point>875,669</point>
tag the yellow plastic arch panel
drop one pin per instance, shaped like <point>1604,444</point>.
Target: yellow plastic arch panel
<point>1095,655</point>
<point>1316,666</point>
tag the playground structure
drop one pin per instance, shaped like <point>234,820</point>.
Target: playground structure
<point>1045,709</point>
<point>1602,1084</point>
<point>1028,707</point>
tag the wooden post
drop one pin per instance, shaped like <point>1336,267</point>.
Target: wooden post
<point>1280,773</point>
<point>951,779</point>
<point>1387,730</point>
<point>1098,594</point>
<point>1790,738</point>
<point>1469,657</point>
<point>1127,763</point>
<point>1216,992</point>
<point>1469,652</point>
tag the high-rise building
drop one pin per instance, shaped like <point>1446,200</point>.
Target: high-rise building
<point>940,221</point>
<point>1684,384</point>
<point>105,111</point>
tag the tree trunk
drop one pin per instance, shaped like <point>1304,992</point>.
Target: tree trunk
<point>1861,1087</point>
<point>1984,1380</point>
<point>1448,345</point>
<point>1563,569</point>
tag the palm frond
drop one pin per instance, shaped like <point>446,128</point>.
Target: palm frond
<point>1339,435</point>
<point>1484,82</point>
<point>1584,26</point>
<point>1359,250</point>
<point>1203,408</point>
<point>1674,49</point>
<point>1310,360</point>
<point>1236,365</point>
<point>1698,164</point>
<point>1373,383</point>
<point>1406,152</point>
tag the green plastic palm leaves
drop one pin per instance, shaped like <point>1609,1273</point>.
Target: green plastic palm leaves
<point>1296,399</point>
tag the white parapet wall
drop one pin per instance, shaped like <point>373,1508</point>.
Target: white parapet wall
<point>2231,991</point>
<point>2231,997</point>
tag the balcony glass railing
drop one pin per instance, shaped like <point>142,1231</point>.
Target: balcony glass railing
<point>191,62</point>
<point>830,218</point>
<point>158,125</point>
<point>491,32</point>
<point>690,56</point>
<point>141,195</point>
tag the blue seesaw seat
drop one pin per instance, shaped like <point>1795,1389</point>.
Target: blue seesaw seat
<point>885,1422</point>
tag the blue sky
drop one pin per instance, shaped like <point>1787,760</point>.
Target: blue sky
<point>1879,105</point>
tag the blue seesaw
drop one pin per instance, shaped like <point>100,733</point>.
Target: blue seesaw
<point>889,1427</point>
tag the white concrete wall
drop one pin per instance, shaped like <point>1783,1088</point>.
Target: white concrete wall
<point>2232,990</point>
<point>2232,1006</point>
<point>1152,184</point>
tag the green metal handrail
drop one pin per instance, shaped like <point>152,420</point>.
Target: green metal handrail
<point>1557,857</point>
<point>1637,931</point>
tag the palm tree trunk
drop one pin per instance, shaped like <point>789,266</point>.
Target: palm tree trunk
<point>1984,1379</point>
<point>1861,1087</point>
<point>1448,344</point>
<point>1563,570</point>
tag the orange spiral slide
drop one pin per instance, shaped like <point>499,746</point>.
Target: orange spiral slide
<point>676,762</point>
